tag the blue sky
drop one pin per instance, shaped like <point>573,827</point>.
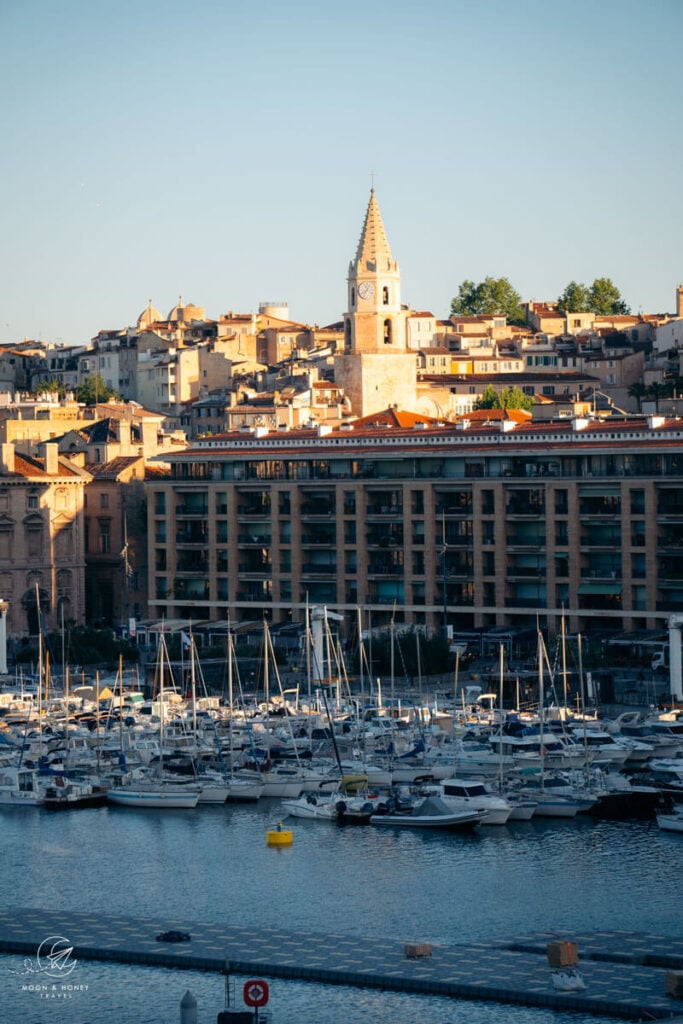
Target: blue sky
<point>222,150</point>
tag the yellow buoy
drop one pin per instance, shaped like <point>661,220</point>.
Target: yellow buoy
<point>279,836</point>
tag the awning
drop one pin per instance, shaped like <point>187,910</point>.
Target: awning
<point>599,588</point>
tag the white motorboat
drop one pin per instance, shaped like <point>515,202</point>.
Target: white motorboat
<point>670,822</point>
<point>19,787</point>
<point>470,794</point>
<point>308,805</point>
<point>428,812</point>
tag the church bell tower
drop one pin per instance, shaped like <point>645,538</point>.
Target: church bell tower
<point>376,368</point>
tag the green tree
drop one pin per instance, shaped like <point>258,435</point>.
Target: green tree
<point>606,298</point>
<point>506,398</point>
<point>575,298</point>
<point>488,399</point>
<point>492,296</point>
<point>95,389</point>
<point>514,398</point>
<point>48,387</point>
<point>602,298</point>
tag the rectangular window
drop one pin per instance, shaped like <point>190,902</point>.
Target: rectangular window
<point>104,501</point>
<point>105,537</point>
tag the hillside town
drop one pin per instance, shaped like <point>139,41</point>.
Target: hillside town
<point>245,466</point>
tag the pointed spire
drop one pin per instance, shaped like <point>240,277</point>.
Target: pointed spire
<point>373,248</point>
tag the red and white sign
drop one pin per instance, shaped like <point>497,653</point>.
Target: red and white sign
<point>256,992</point>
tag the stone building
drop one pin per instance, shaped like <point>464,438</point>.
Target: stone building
<point>42,562</point>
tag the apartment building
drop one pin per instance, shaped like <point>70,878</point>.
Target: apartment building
<point>471,524</point>
<point>42,565</point>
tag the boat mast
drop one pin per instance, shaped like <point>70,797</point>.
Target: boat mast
<point>500,723</point>
<point>564,659</point>
<point>541,698</point>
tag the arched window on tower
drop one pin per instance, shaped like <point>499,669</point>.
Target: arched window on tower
<point>353,298</point>
<point>387,332</point>
<point>385,295</point>
<point>347,335</point>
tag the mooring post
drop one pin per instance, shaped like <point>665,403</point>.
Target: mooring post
<point>188,1009</point>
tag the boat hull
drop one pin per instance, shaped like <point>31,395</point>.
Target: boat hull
<point>152,799</point>
<point>459,821</point>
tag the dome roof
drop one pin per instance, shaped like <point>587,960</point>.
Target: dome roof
<point>149,315</point>
<point>185,312</point>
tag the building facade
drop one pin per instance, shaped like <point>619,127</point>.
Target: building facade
<point>42,566</point>
<point>468,525</point>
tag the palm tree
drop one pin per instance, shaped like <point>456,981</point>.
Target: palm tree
<point>638,391</point>
<point>656,391</point>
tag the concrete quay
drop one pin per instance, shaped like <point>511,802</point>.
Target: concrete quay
<point>624,971</point>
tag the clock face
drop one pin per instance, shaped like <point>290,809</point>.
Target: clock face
<point>366,289</point>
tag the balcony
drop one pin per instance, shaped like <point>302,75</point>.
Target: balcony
<point>192,533</point>
<point>525,539</point>
<point>254,508</point>
<point>256,567</point>
<point>322,536</point>
<point>456,567</point>
<point>390,538</point>
<point>191,590</point>
<point>249,539</point>
<point>385,567</point>
<point>600,507</point>
<point>195,509</point>
<point>324,508</point>
<point>601,537</point>
<point>525,507</point>
<point>526,572</point>
<point>319,569</point>
<point>379,510</point>
<point>456,504</point>
<point>193,562</point>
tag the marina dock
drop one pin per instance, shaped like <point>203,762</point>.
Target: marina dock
<point>624,971</point>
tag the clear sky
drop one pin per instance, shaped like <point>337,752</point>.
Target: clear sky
<point>222,150</point>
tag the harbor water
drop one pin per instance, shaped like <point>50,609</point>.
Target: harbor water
<point>213,864</point>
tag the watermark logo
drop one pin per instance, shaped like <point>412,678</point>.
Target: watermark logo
<point>54,957</point>
<point>46,974</point>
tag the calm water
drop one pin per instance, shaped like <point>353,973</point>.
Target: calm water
<point>213,864</point>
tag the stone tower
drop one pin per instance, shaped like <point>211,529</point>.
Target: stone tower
<point>376,368</point>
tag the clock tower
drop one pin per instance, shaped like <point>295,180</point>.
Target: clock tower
<point>376,369</point>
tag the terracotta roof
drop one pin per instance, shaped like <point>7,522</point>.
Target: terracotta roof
<point>491,415</point>
<point>112,469</point>
<point>28,466</point>
<point>393,418</point>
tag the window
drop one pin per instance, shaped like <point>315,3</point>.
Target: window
<point>34,541</point>
<point>385,296</point>
<point>105,537</point>
<point>32,501</point>
<point>104,501</point>
<point>6,543</point>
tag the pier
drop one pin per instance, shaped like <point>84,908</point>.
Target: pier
<point>624,971</point>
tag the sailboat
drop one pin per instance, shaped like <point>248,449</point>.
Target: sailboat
<point>153,790</point>
<point>240,787</point>
<point>549,804</point>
